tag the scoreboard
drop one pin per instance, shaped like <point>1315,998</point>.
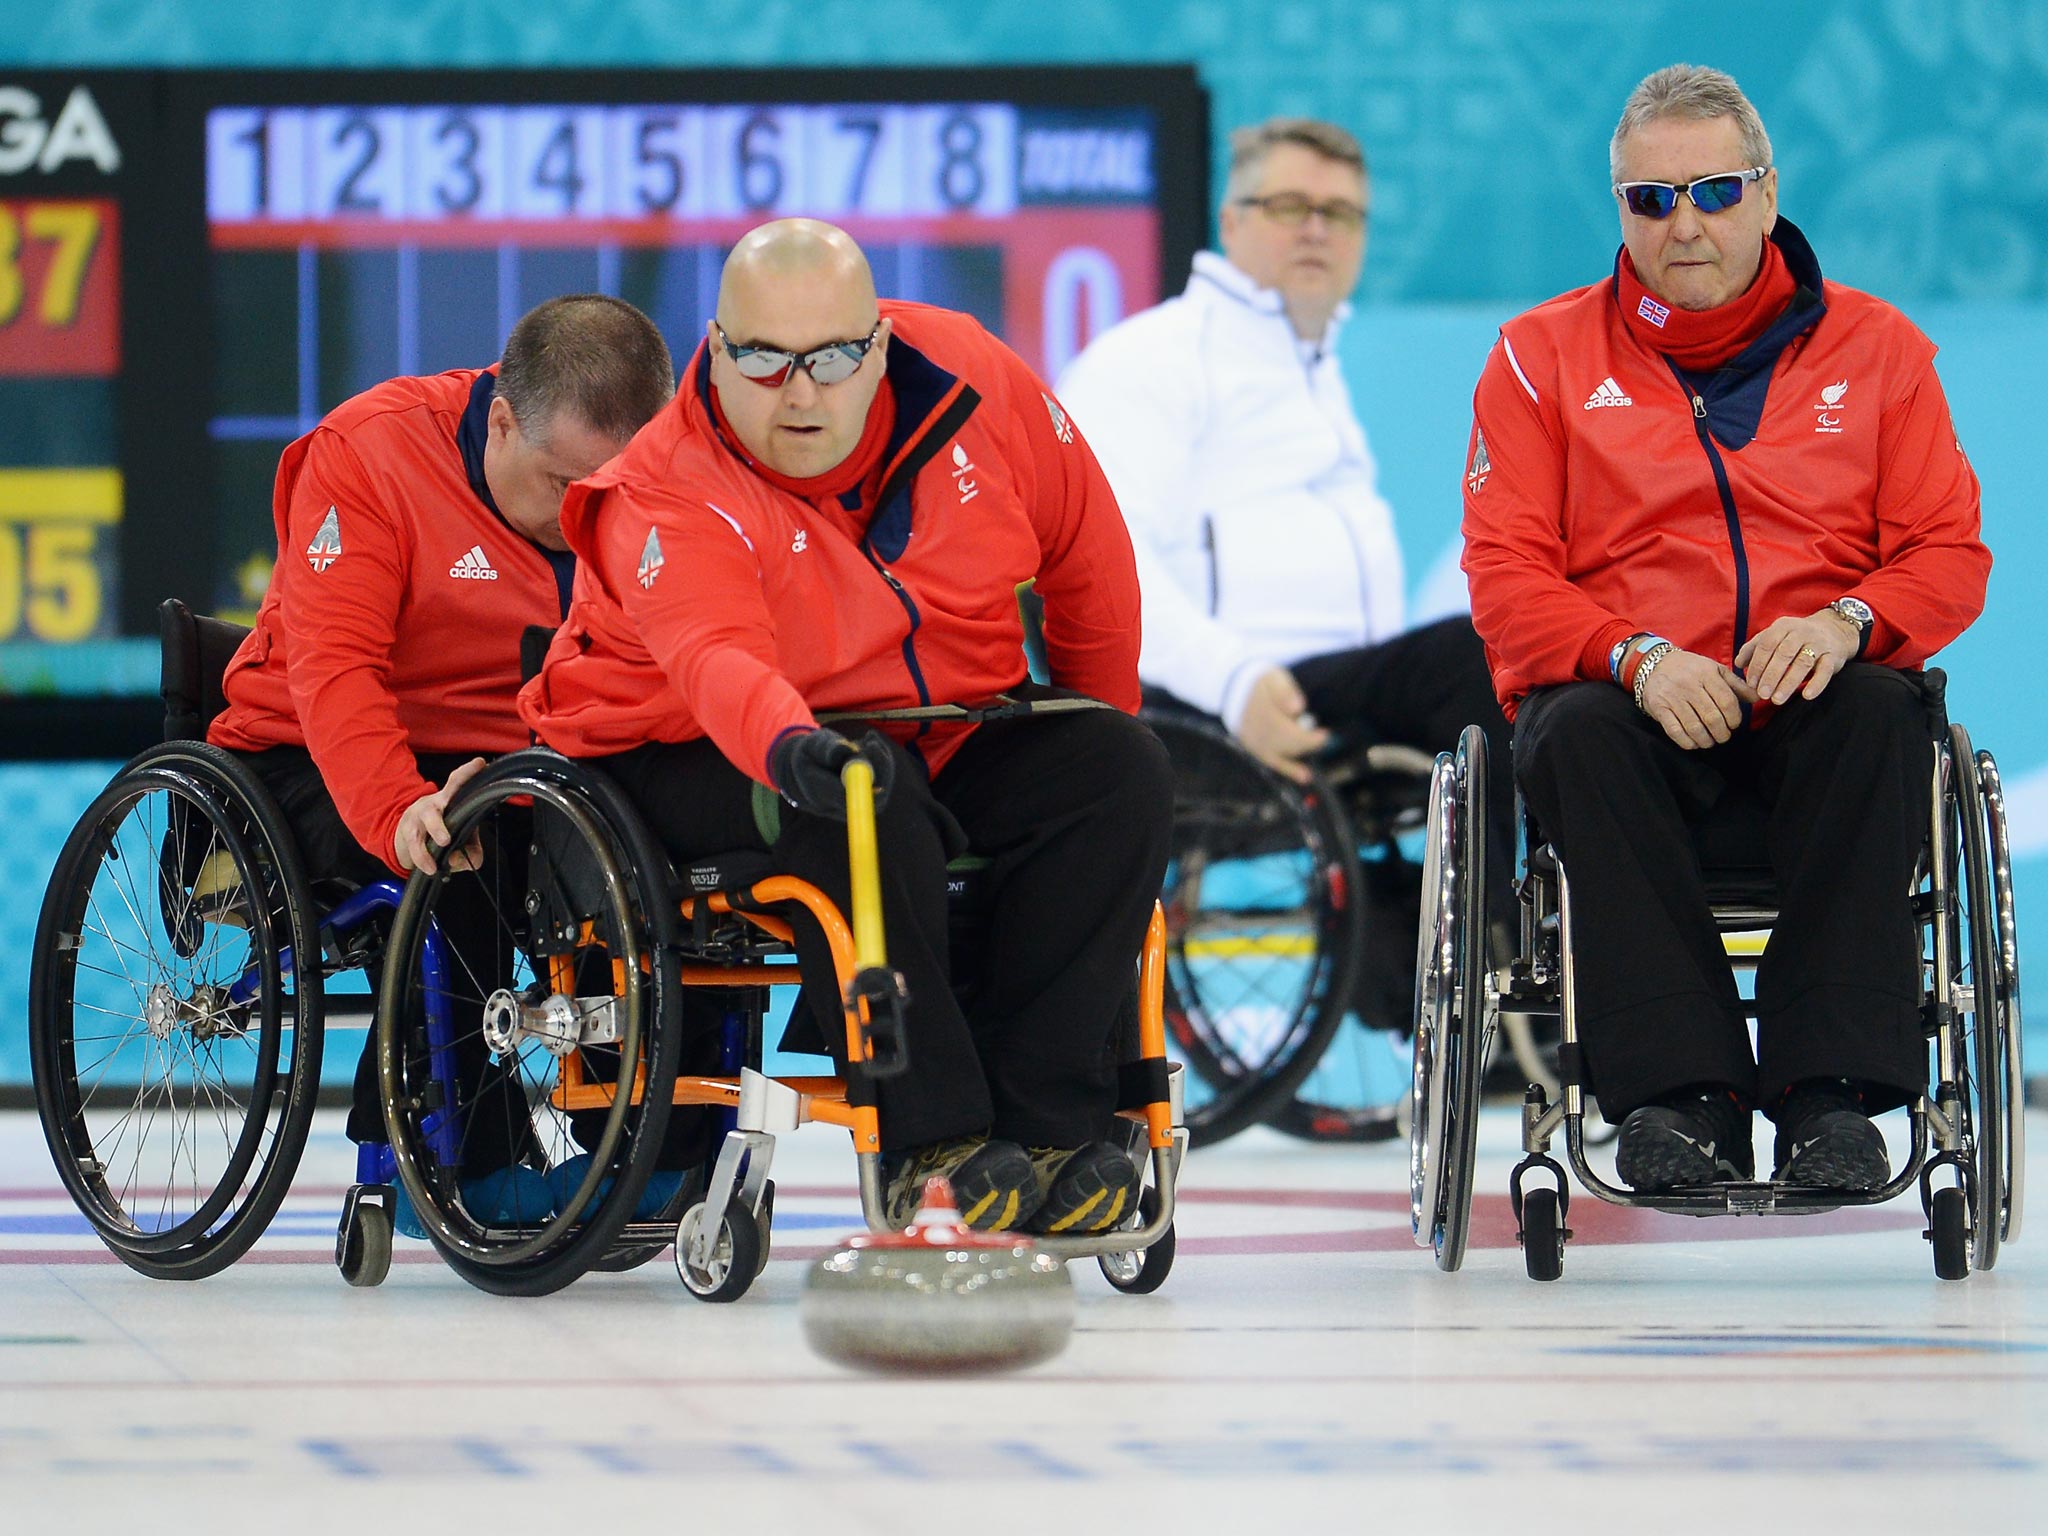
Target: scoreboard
<point>269,243</point>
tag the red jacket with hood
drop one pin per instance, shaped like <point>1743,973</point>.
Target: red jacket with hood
<point>711,602</point>
<point>392,622</point>
<point>1608,492</point>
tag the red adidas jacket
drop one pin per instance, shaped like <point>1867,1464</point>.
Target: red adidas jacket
<point>393,619</point>
<point>710,602</point>
<point>1592,509</point>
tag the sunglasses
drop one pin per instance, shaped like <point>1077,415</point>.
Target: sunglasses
<point>770,367</point>
<point>1293,210</point>
<point>1710,194</point>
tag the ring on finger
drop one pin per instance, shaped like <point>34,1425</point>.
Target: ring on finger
<point>1809,653</point>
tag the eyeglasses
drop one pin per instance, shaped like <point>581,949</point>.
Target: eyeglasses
<point>1710,194</point>
<point>770,367</point>
<point>1293,210</point>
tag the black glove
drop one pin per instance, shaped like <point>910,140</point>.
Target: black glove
<point>806,766</point>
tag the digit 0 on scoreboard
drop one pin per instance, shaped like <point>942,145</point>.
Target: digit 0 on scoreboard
<point>59,287</point>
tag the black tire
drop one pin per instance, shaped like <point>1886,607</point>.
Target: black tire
<point>1262,926</point>
<point>1542,1235</point>
<point>601,907</point>
<point>1948,1225</point>
<point>1984,1040</point>
<point>1141,1271</point>
<point>2007,996</point>
<point>1450,1023</point>
<point>365,1258</point>
<point>736,1257</point>
<point>175,1063</point>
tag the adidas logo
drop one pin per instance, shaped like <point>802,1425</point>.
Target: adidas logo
<point>1609,393</point>
<point>473,566</point>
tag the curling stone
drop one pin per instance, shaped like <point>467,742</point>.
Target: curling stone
<point>938,1296</point>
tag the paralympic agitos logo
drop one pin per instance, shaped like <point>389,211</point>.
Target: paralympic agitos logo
<point>78,132</point>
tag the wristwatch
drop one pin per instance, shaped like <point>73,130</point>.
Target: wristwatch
<point>1857,612</point>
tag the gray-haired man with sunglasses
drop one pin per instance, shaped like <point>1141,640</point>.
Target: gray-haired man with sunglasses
<point>1272,579</point>
<point>1715,511</point>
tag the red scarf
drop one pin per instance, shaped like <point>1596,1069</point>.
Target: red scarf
<point>1706,338</point>
<point>855,469</point>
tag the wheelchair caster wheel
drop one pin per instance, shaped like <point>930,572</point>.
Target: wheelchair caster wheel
<point>735,1257</point>
<point>1141,1271</point>
<point>765,1225</point>
<point>1542,1235</point>
<point>1948,1226</point>
<point>364,1258</point>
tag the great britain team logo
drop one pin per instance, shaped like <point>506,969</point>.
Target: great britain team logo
<point>1827,416</point>
<point>1062,428</point>
<point>1481,466</point>
<point>326,546</point>
<point>650,559</point>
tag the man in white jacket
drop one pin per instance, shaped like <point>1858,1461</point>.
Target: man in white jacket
<point>1271,576</point>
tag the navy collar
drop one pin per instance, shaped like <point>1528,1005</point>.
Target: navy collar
<point>470,435</point>
<point>1735,393</point>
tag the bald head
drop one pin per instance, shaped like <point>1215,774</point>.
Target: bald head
<point>797,286</point>
<point>801,262</point>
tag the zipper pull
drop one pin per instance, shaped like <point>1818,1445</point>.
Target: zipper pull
<point>1699,409</point>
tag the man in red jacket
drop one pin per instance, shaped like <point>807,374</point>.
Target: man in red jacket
<point>1715,514</point>
<point>835,515</point>
<point>419,534</point>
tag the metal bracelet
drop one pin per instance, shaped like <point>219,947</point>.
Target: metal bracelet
<point>1650,662</point>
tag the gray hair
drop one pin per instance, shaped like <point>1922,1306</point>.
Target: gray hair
<point>1691,93</point>
<point>1250,146</point>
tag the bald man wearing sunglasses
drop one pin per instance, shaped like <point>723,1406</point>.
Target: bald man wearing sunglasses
<point>834,516</point>
<point>1715,514</point>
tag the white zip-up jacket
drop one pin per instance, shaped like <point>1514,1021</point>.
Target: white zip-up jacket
<point>1251,495</point>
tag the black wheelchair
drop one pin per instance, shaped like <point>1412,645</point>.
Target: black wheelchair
<point>1290,914</point>
<point>176,999</point>
<point>606,936</point>
<point>1968,1156</point>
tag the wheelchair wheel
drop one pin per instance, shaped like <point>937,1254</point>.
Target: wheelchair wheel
<point>1983,1045</point>
<point>1262,926</point>
<point>2006,995</point>
<point>1450,1005</point>
<point>175,1054</point>
<point>1542,1235</point>
<point>1141,1271</point>
<point>509,1037</point>
<point>737,1256</point>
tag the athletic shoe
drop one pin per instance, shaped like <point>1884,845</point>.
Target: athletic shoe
<point>1685,1139</point>
<point>1086,1189</point>
<point>1825,1139</point>
<point>662,1186</point>
<point>993,1182</point>
<point>504,1197</point>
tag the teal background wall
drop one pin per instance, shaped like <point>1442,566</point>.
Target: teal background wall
<point>1911,137</point>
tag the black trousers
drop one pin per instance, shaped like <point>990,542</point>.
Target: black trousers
<point>1845,785</point>
<point>1073,811</point>
<point>497,1131</point>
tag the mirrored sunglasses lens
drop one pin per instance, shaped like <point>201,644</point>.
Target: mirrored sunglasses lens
<point>765,367</point>
<point>833,365</point>
<point>1713,193</point>
<point>1650,201</point>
